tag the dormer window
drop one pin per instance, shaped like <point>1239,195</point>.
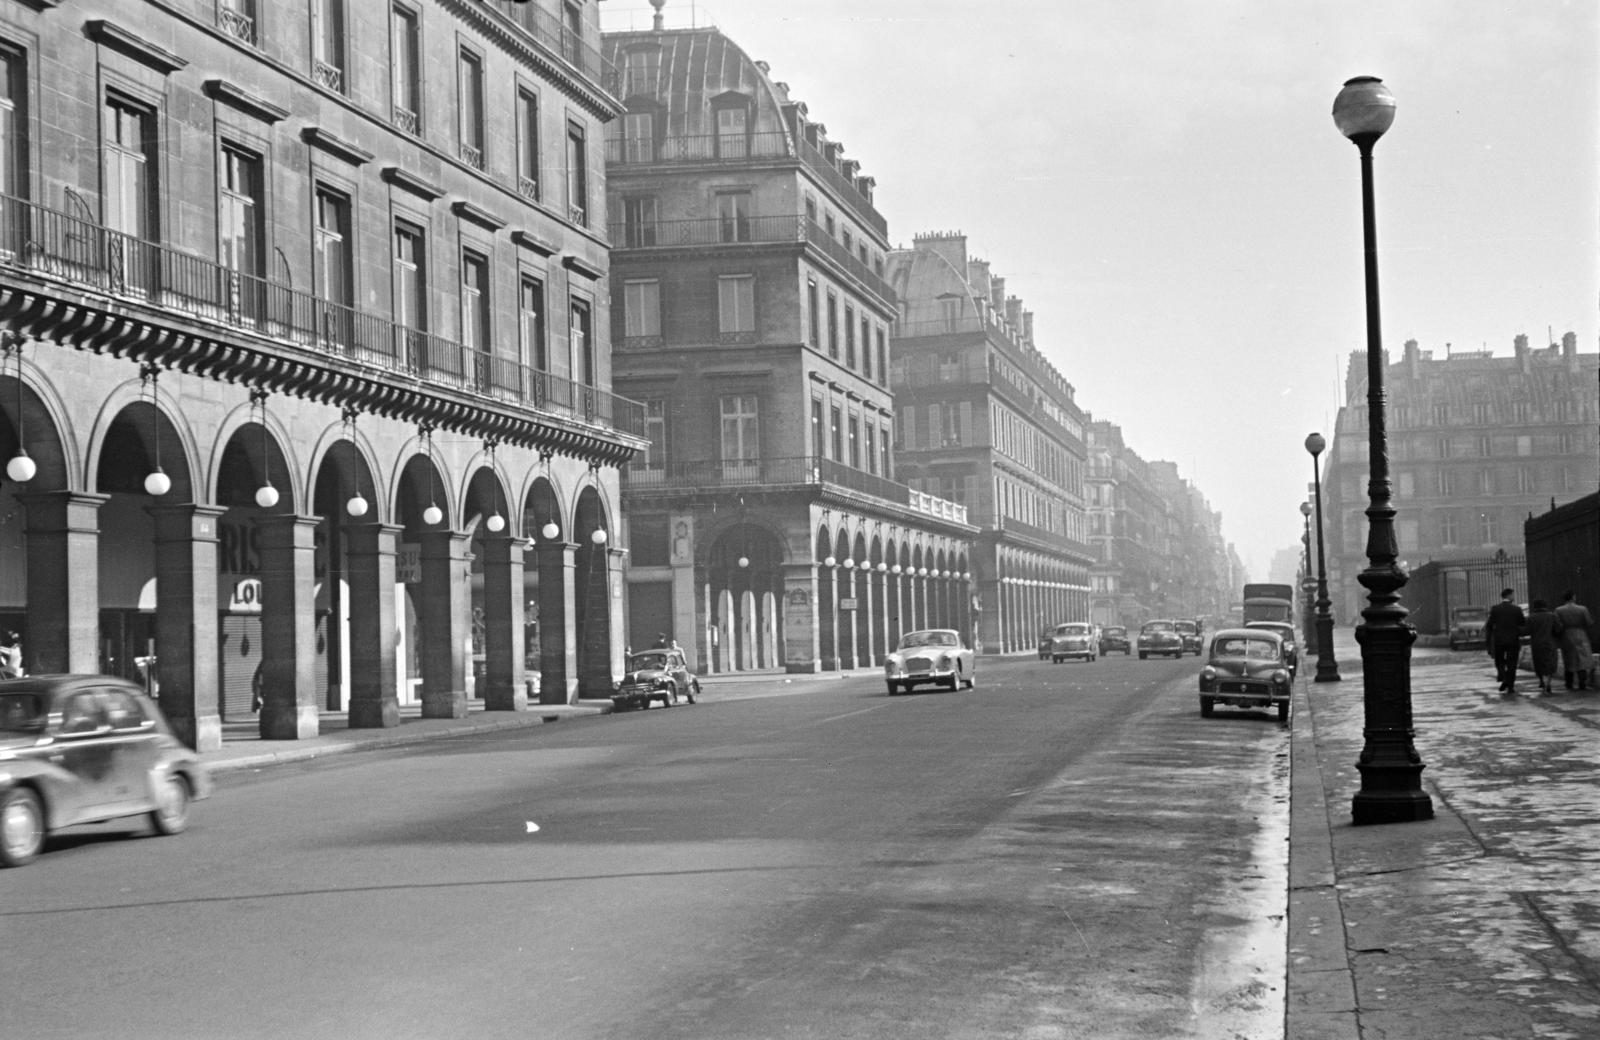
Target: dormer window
<point>732,113</point>
<point>642,71</point>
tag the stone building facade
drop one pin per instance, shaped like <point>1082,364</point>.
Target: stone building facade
<point>766,525</point>
<point>306,370</point>
<point>1477,444</point>
<point>986,421</point>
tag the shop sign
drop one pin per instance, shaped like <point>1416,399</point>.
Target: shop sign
<point>408,563</point>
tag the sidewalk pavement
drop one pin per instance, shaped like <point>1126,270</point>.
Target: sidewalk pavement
<point>1485,920</point>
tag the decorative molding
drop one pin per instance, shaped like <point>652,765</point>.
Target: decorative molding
<point>580,266</point>
<point>531,239</point>
<point>134,46</point>
<point>335,145</point>
<point>238,97</point>
<point>482,217</point>
<point>411,182</point>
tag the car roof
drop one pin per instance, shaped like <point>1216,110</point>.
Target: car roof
<point>1237,633</point>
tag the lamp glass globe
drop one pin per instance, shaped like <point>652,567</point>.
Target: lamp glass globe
<point>496,523</point>
<point>21,468</point>
<point>599,536</point>
<point>266,496</point>
<point>744,561</point>
<point>157,483</point>
<point>550,531</point>
<point>1365,106</point>
<point>829,562</point>
<point>432,515</point>
<point>357,506</point>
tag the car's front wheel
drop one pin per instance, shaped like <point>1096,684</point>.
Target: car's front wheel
<point>1205,707</point>
<point>1283,711</point>
<point>894,688</point>
<point>21,827</point>
<point>171,814</point>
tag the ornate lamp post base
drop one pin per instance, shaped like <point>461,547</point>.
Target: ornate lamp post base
<point>1390,768</point>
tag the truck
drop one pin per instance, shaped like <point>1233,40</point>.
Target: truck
<point>1263,602</point>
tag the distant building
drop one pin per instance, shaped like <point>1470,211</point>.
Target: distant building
<point>985,420</point>
<point>1477,444</point>
<point>748,283</point>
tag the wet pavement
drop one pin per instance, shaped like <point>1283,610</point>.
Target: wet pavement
<point>1478,923</point>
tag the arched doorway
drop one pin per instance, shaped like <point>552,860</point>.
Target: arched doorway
<point>593,573</point>
<point>744,582</point>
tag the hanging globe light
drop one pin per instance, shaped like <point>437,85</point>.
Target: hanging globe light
<point>357,506</point>
<point>156,484</point>
<point>550,531</point>
<point>266,496</point>
<point>496,523</point>
<point>432,515</point>
<point>21,468</point>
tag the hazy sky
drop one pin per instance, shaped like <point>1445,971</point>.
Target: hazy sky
<point>1161,183</point>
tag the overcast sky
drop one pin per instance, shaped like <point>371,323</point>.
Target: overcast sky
<point>1162,184</point>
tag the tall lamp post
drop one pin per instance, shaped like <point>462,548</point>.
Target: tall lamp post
<point>1327,668</point>
<point>1308,583</point>
<point>1391,770</point>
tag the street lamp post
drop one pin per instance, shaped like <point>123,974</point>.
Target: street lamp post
<point>1327,667</point>
<point>1308,584</point>
<point>1391,770</point>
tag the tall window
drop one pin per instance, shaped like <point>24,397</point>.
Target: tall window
<point>333,276</point>
<point>1449,529</point>
<point>327,43</point>
<point>642,67</point>
<point>237,18</point>
<point>855,441</point>
<point>1485,482</point>
<point>733,215</point>
<point>655,429</point>
<point>871,449</point>
<point>1488,528</point>
<point>240,230</point>
<point>836,432</point>
<point>474,301</point>
<point>577,174</point>
<point>407,68</point>
<point>849,336</point>
<point>732,140</point>
<point>410,292</point>
<point>130,194</point>
<point>530,319</point>
<point>1483,445</point>
<point>470,130</point>
<point>572,33</point>
<point>883,453</point>
<point>741,445</point>
<point>736,303</point>
<point>641,306</point>
<point>582,343</point>
<point>639,222</point>
<point>866,347</point>
<point>1441,415</point>
<point>813,314</point>
<point>1526,484</point>
<point>638,137</point>
<point>1480,412</point>
<point>818,435</point>
<point>883,360</point>
<point>13,137</point>
<point>527,144</point>
<point>1447,482</point>
<point>833,325</point>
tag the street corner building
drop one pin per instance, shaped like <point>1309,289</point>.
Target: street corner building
<point>306,368</point>
<point>767,529</point>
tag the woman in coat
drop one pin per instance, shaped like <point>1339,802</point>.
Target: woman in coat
<point>1577,658</point>
<point>1544,631</point>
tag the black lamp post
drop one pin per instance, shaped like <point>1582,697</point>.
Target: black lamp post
<point>1391,770</point>
<point>1327,668</point>
<point>1308,585</point>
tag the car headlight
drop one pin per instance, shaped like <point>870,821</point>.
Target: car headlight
<point>1281,677</point>
<point>1208,673</point>
<point>944,660</point>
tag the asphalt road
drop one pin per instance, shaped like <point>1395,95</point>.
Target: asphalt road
<point>1066,851</point>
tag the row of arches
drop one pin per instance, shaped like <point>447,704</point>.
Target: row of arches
<point>201,538</point>
<point>1031,593</point>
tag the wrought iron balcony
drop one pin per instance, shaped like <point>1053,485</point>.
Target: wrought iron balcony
<point>800,471</point>
<point>560,39</point>
<point>47,242</point>
<point>694,148</point>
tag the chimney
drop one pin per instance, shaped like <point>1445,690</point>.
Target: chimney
<point>1027,327</point>
<point>978,276</point>
<point>1014,314</point>
<point>1413,358</point>
<point>1569,345</point>
<point>997,294</point>
<point>952,245</point>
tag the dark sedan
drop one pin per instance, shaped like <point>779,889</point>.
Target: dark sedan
<point>1115,637</point>
<point>1247,669</point>
<point>655,675</point>
<point>78,749</point>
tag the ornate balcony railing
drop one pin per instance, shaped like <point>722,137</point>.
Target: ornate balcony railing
<point>560,39</point>
<point>56,244</point>
<point>237,24</point>
<point>848,191</point>
<point>717,473</point>
<point>327,75</point>
<point>405,120</point>
<point>694,148</point>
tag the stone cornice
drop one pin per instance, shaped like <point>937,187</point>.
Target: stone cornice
<point>134,46</point>
<point>238,97</point>
<point>401,178</point>
<point>353,154</point>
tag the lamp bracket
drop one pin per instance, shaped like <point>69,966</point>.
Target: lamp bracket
<point>259,395</point>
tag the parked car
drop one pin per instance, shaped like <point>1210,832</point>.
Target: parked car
<point>1159,637</point>
<point>1115,637</point>
<point>1074,639</point>
<point>1467,627</point>
<point>1291,641</point>
<point>78,749</point>
<point>1246,669</point>
<point>655,675</point>
<point>1190,632</point>
<point>932,656</point>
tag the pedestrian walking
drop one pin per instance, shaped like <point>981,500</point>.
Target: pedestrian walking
<point>1576,656</point>
<point>1503,633</point>
<point>11,657</point>
<point>1544,646</point>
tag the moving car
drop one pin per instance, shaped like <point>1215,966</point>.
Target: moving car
<point>78,749</point>
<point>1467,627</point>
<point>1190,631</point>
<point>934,655</point>
<point>655,675</point>
<point>1074,639</point>
<point>1246,669</point>
<point>1291,642</point>
<point>1160,637</point>
<point>1115,637</point>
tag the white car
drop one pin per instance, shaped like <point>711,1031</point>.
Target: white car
<point>935,655</point>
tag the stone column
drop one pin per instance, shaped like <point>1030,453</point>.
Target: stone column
<point>848,658</point>
<point>289,708</point>
<point>187,622</point>
<point>444,608</point>
<point>828,615</point>
<point>594,658</point>
<point>616,582</point>
<point>801,618</point>
<point>370,552</point>
<point>558,636</point>
<point>63,588</point>
<point>505,687</point>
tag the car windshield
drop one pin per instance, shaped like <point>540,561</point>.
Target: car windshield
<point>642,662</point>
<point>21,713</point>
<point>912,639</point>
<point>1072,630</point>
<point>1116,630</point>
<point>1255,649</point>
<point>1158,626</point>
<point>1186,626</point>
